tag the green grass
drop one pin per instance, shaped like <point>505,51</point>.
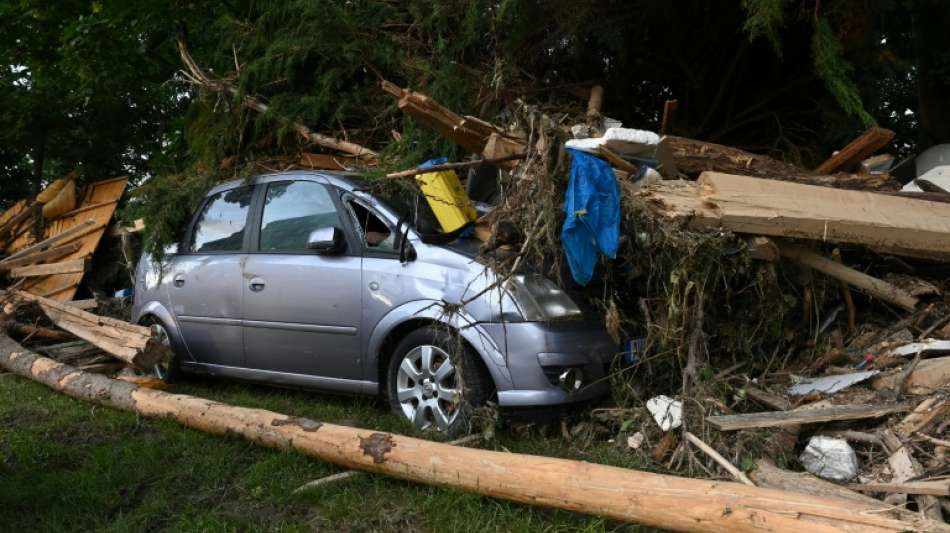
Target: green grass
<point>67,465</point>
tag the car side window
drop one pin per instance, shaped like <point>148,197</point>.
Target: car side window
<point>375,234</point>
<point>221,225</point>
<point>292,210</point>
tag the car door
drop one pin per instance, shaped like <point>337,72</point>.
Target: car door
<point>301,309</point>
<point>207,285</point>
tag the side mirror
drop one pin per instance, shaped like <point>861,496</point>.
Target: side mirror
<point>326,240</point>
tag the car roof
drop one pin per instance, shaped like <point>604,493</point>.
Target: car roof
<point>345,180</point>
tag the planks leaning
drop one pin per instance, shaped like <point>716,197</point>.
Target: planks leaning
<point>662,501</point>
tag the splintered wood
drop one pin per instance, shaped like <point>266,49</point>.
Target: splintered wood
<point>902,226</point>
<point>130,343</point>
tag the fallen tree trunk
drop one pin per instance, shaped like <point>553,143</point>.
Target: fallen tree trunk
<point>631,496</point>
<point>694,157</point>
<point>127,342</point>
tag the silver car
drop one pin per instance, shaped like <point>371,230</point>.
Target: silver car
<point>311,280</point>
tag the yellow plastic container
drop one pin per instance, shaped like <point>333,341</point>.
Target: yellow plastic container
<point>448,200</point>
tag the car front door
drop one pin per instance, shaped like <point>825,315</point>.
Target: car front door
<point>206,285</point>
<point>301,309</point>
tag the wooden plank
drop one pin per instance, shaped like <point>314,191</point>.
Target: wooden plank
<point>870,285</point>
<point>48,269</point>
<point>856,151</point>
<point>804,416</point>
<point>101,198</point>
<point>87,304</point>
<point>929,376</point>
<point>72,233</point>
<point>50,254</point>
<point>618,162</point>
<point>782,209</point>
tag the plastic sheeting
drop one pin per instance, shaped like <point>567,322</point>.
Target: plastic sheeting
<point>592,205</point>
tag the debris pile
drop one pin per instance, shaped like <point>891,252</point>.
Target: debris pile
<point>743,282</point>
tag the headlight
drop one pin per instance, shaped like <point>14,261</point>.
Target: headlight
<point>540,299</point>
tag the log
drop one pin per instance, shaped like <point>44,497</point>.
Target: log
<point>856,151</point>
<point>870,285</point>
<point>37,332</point>
<point>803,416</point>
<point>753,206</point>
<point>694,157</point>
<point>49,269</point>
<point>932,488</point>
<point>51,254</point>
<point>767,475</point>
<point>655,500</point>
<point>130,343</point>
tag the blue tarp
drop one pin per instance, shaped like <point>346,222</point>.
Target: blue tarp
<point>592,205</point>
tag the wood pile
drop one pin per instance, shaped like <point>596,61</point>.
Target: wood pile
<point>49,251</point>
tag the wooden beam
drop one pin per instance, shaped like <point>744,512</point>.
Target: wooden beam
<point>870,285</point>
<point>802,416</point>
<point>38,257</point>
<point>74,232</point>
<point>618,162</point>
<point>782,209</point>
<point>130,343</point>
<point>655,500</point>
<point>669,114</point>
<point>856,151</point>
<point>49,269</point>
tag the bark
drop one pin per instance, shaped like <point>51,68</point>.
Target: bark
<point>656,500</point>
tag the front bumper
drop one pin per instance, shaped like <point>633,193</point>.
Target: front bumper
<point>537,352</point>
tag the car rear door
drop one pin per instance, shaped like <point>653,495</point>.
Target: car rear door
<point>301,309</point>
<point>206,289</point>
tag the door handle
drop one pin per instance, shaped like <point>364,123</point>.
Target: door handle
<point>256,285</point>
<point>179,280</point>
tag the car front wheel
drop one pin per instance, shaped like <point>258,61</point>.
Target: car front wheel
<point>166,370</point>
<point>435,381</point>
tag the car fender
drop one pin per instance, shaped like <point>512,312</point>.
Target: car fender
<point>460,321</point>
<point>159,311</point>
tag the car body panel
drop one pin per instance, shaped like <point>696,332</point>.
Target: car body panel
<point>330,331</point>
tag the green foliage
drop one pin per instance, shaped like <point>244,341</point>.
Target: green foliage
<point>765,19</point>
<point>836,72</point>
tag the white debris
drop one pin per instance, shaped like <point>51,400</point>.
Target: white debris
<point>926,347</point>
<point>621,140</point>
<point>830,384</point>
<point>635,441</point>
<point>830,458</point>
<point>667,412</point>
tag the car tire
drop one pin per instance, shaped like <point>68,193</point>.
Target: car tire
<point>168,371</point>
<point>433,397</point>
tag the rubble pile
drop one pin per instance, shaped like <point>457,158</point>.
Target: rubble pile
<point>781,326</point>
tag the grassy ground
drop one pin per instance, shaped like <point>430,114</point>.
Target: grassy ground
<point>66,465</point>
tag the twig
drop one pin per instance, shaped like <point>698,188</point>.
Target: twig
<point>933,440</point>
<point>906,374</point>
<point>452,166</point>
<point>723,462</point>
<point>934,326</point>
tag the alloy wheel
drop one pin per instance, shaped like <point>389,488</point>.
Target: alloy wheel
<point>428,388</point>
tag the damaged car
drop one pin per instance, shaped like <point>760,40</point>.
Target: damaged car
<point>316,280</point>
